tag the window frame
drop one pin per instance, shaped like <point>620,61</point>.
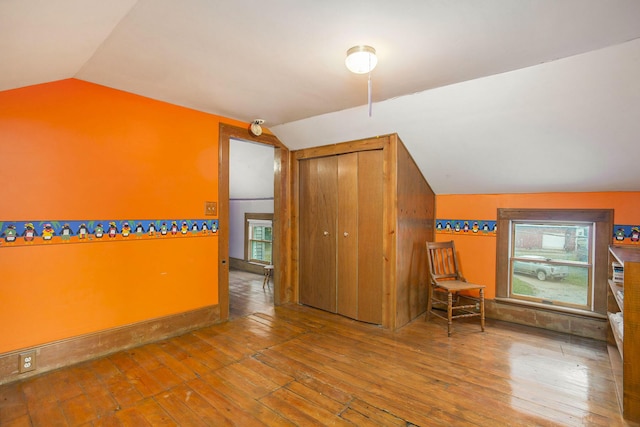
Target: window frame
<point>603,221</point>
<point>247,244</point>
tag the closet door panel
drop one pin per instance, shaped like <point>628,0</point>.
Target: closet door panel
<point>318,207</point>
<point>348,235</point>
<point>370,212</point>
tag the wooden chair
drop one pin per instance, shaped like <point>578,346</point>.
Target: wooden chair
<point>445,277</point>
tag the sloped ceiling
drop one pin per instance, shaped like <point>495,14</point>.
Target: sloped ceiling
<point>494,96</point>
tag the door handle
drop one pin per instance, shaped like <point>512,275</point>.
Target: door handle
<point>346,234</point>
<point>325,233</point>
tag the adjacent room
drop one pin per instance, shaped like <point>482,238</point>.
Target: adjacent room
<point>243,213</point>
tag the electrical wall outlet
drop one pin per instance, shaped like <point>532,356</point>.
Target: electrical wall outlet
<point>210,208</point>
<point>27,361</point>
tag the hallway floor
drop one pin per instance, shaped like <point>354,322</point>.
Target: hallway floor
<point>246,295</point>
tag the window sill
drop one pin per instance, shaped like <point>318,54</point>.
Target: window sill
<point>550,308</point>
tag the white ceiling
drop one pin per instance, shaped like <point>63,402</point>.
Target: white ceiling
<point>489,96</point>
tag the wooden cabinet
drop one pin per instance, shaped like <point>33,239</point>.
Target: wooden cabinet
<point>623,307</point>
<point>362,213</point>
<point>341,227</point>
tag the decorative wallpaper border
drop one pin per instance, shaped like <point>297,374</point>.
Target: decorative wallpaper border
<point>622,234</point>
<point>23,233</point>
<point>626,234</point>
<point>465,226</point>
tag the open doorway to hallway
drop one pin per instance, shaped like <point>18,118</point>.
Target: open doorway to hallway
<point>251,208</point>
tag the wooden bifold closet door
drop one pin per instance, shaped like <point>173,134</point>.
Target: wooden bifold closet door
<point>341,234</point>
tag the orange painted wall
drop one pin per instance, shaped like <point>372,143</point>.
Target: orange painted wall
<point>72,150</point>
<point>477,254</point>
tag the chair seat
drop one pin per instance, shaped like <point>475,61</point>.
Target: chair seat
<point>458,285</point>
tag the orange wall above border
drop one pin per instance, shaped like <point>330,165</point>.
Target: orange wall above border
<point>73,150</point>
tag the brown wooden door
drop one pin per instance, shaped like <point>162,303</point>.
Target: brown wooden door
<point>370,250</point>
<point>317,244</point>
<point>341,234</point>
<point>348,235</point>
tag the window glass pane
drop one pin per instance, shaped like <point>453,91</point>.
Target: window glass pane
<point>551,263</point>
<point>260,251</point>
<point>553,242</point>
<point>572,289</point>
<point>259,240</point>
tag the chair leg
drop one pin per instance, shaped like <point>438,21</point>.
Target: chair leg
<point>429,302</point>
<point>482,309</point>
<point>449,312</point>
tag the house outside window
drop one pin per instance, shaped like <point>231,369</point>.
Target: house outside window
<point>259,238</point>
<point>554,259</point>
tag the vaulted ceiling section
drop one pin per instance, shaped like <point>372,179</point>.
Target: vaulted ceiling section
<point>495,96</point>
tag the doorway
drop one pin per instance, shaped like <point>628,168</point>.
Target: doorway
<point>251,188</point>
<point>282,291</point>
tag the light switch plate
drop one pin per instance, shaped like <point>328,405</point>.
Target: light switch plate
<point>211,208</point>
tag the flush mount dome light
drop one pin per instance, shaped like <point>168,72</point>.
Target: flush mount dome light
<point>361,59</point>
<point>255,128</point>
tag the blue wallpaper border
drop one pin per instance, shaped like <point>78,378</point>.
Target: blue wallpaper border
<point>22,233</point>
<point>621,233</point>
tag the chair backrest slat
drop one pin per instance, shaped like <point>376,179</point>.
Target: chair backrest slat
<point>443,263</point>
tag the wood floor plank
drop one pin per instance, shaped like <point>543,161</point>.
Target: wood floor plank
<point>173,402</point>
<point>145,357</point>
<point>375,415</point>
<point>374,394</point>
<point>207,412</point>
<point>107,420</point>
<point>376,382</point>
<point>294,365</point>
<point>47,414</point>
<point>122,390</point>
<point>132,417</point>
<point>171,363</point>
<point>235,412</point>
<point>278,377</point>
<point>313,396</point>
<point>487,378</point>
<point>20,421</point>
<point>143,381</point>
<point>165,378</point>
<point>252,387</point>
<point>410,377</point>
<point>78,410</point>
<point>301,411</point>
<point>64,384</point>
<point>197,362</point>
<point>241,399</point>
<point>13,404</point>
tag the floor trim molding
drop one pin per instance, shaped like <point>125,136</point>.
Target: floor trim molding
<point>242,265</point>
<point>69,351</point>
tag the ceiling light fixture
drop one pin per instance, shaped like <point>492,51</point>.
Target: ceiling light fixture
<point>361,60</point>
<point>255,128</point>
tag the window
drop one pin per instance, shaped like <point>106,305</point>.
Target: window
<point>551,263</point>
<point>555,259</point>
<point>258,237</point>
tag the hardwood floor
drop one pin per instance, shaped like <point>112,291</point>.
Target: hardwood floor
<point>247,296</point>
<point>299,366</point>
